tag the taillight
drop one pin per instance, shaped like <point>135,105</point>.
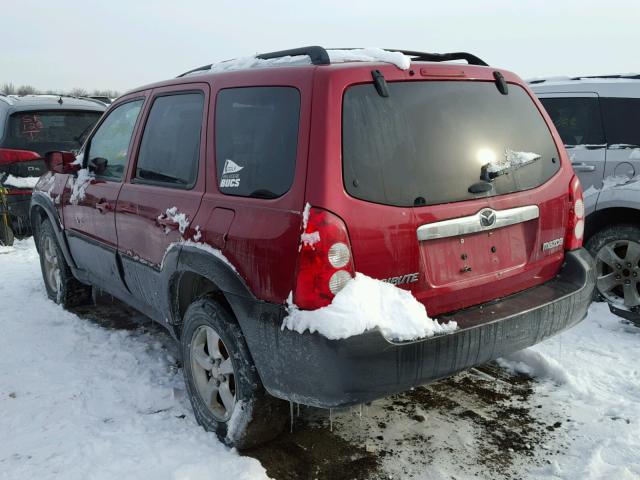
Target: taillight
<point>8,155</point>
<point>575,223</point>
<point>325,262</point>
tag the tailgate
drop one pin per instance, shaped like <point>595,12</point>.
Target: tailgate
<point>479,172</point>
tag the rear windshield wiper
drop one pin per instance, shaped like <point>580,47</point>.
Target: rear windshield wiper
<point>512,160</point>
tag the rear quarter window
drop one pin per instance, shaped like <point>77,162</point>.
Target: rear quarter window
<point>622,120</point>
<point>256,136</point>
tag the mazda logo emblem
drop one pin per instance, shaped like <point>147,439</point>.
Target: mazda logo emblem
<point>487,217</point>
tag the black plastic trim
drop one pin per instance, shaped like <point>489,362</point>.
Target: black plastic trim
<point>313,370</point>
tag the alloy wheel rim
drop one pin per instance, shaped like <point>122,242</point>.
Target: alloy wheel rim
<point>51,267</point>
<point>618,272</point>
<point>213,372</point>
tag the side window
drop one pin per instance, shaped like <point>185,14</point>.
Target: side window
<point>109,145</point>
<point>577,119</point>
<point>256,140</point>
<point>170,147</point>
<point>622,120</point>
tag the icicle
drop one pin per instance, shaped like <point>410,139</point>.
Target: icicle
<point>291,412</point>
<point>360,414</point>
<point>331,420</point>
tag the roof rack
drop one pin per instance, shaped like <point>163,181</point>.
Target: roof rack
<point>320,56</point>
<point>631,76</point>
<point>442,57</point>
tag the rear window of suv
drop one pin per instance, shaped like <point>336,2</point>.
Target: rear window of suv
<point>429,142</point>
<point>44,131</point>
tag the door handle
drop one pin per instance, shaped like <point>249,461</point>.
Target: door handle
<point>126,208</point>
<point>103,206</point>
<point>167,223</point>
<point>583,167</point>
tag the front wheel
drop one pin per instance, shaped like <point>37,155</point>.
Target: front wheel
<point>616,250</point>
<point>61,285</point>
<point>222,382</point>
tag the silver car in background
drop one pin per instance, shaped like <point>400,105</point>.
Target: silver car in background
<point>598,119</point>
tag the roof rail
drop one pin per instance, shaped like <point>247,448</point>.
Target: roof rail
<point>630,76</point>
<point>442,57</point>
<point>319,56</point>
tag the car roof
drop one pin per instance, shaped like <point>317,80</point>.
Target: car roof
<point>310,58</point>
<point>50,102</point>
<point>624,85</point>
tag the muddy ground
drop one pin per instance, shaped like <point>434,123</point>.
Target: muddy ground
<point>487,423</point>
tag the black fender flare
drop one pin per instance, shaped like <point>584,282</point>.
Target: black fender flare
<point>39,200</point>
<point>209,263</point>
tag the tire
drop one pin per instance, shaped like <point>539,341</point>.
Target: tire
<point>6,235</point>
<point>59,282</point>
<point>616,250</point>
<point>253,416</point>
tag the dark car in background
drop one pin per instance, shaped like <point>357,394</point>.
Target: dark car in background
<point>30,126</point>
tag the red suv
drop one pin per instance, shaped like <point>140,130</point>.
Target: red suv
<point>216,201</point>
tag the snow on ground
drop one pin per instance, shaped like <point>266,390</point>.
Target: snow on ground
<point>83,399</point>
<point>78,401</point>
<point>593,371</point>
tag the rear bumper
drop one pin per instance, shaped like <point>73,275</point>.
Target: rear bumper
<point>313,370</point>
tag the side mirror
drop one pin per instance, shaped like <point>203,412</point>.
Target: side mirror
<point>97,165</point>
<point>61,162</point>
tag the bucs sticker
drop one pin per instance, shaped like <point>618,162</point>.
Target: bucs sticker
<point>230,174</point>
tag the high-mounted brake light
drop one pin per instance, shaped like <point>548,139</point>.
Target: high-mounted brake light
<point>9,155</point>
<point>575,223</point>
<point>325,263</point>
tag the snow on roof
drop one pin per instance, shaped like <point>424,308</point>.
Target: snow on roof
<point>337,56</point>
<point>622,77</point>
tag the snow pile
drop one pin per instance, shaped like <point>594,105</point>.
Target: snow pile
<point>198,235</point>
<point>310,239</point>
<point>535,364</point>
<point>370,54</point>
<point>21,182</point>
<point>79,185</point>
<point>201,246</point>
<point>240,418</point>
<point>365,304</point>
<point>80,401</point>
<point>398,59</point>
<point>179,218</point>
<point>512,160</point>
<point>305,215</point>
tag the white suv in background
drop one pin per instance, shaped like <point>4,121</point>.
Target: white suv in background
<point>598,119</point>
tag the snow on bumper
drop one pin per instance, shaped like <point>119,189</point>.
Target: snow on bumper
<point>313,370</point>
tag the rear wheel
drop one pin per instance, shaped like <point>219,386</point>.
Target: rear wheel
<point>616,250</point>
<point>222,382</point>
<point>61,285</point>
